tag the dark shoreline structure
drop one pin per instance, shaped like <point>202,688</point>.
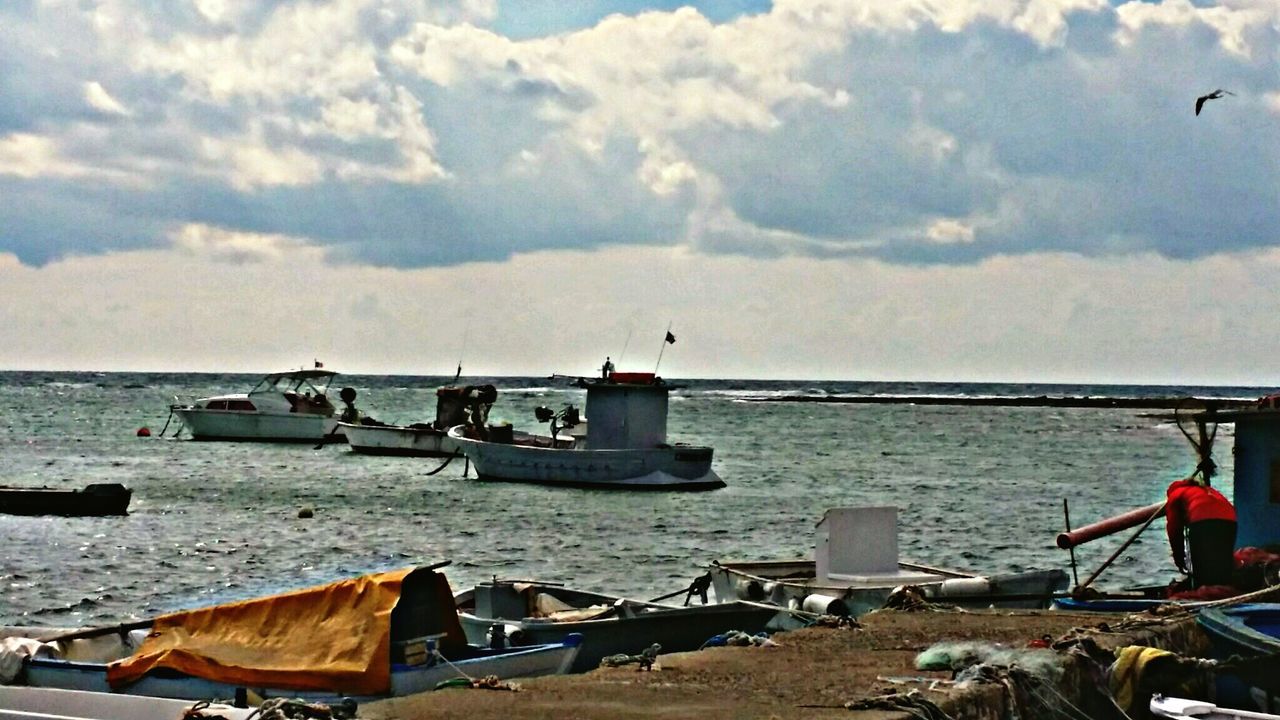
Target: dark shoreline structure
<point>1189,404</point>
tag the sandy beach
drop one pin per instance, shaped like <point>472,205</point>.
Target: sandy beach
<point>811,673</point>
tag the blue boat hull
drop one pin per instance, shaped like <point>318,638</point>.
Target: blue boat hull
<point>530,661</point>
<point>1246,631</point>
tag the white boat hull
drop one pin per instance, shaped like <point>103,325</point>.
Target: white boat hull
<point>28,703</point>
<point>678,467</point>
<point>398,440</point>
<point>788,583</point>
<point>256,426</point>
<point>530,661</point>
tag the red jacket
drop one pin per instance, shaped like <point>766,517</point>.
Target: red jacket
<point>1189,502</point>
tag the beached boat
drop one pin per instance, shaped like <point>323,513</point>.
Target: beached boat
<point>1175,708</point>
<point>454,406</point>
<point>28,703</point>
<point>96,499</point>
<point>623,446</point>
<point>531,612</point>
<point>856,569</point>
<point>380,635</point>
<point>283,407</point>
<point>1246,631</point>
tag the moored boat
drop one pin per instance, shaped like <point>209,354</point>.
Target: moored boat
<point>379,635</point>
<point>623,446</point>
<point>28,703</point>
<point>532,612</point>
<point>856,569</point>
<point>454,406</point>
<point>96,499</point>
<point>1246,631</point>
<point>283,407</point>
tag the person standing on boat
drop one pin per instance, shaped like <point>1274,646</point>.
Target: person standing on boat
<point>607,369</point>
<point>1209,522</point>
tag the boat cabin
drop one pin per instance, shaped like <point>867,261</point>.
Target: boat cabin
<point>305,390</point>
<point>1257,473</point>
<point>627,411</point>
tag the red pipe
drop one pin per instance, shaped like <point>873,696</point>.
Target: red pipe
<point>1103,528</point>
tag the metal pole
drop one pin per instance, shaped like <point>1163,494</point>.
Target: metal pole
<point>1121,549</point>
<point>1066,514</point>
<point>664,348</point>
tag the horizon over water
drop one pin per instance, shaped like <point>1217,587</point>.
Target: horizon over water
<point>978,488</point>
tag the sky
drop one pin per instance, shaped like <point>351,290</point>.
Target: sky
<point>952,190</point>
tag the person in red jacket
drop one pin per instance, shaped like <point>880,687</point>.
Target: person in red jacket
<point>1209,522</point>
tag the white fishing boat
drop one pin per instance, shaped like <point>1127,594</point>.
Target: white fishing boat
<point>856,569</point>
<point>624,444</point>
<point>531,612</point>
<point>27,703</point>
<point>454,406</point>
<point>283,407</point>
<point>380,635</point>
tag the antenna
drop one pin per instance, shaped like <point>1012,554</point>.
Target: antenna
<point>466,332</point>
<point>624,346</point>
<point>666,339</point>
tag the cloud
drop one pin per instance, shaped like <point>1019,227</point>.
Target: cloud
<point>396,133</point>
<point>239,247</point>
<point>99,99</point>
<point>1131,320</point>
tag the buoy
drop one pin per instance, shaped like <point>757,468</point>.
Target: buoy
<point>144,431</point>
<point>306,512</point>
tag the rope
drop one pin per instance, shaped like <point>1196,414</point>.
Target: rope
<point>199,712</point>
<point>913,702</point>
<point>448,460</point>
<point>294,709</point>
<point>166,423</point>
<point>488,682</point>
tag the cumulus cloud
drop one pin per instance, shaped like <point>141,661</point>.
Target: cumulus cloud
<point>239,247</point>
<point>396,132</point>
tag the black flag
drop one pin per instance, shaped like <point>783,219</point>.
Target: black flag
<point>671,338</point>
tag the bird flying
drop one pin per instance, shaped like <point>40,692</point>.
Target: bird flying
<point>1211,96</point>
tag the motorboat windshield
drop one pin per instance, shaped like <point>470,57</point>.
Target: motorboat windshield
<point>314,382</point>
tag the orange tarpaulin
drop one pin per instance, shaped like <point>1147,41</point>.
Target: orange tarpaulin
<point>335,637</point>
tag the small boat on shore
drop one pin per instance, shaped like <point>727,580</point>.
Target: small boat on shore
<point>530,612</point>
<point>283,407</point>
<point>622,445</point>
<point>1246,631</point>
<point>94,500</point>
<point>856,569</point>
<point>1176,708</point>
<point>380,635</point>
<point>454,406</point>
<point>28,703</point>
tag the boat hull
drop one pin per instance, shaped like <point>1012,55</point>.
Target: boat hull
<point>247,426</point>
<point>532,661</point>
<point>30,703</point>
<point>789,583</point>
<point>678,467</point>
<point>397,440</point>
<point>676,629</point>
<point>1249,630</point>
<point>94,500</point>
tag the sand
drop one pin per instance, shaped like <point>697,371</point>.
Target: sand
<point>810,674</point>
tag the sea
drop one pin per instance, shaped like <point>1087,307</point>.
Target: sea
<point>980,488</point>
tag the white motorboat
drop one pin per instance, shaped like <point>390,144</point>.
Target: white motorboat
<point>454,406</point>
<point>624,445</point>
<point>856,569</point>
<point>283,407</point>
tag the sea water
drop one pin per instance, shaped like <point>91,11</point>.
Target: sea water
<point>978,488</point>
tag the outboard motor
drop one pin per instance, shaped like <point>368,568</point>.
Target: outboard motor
<point>497,636</point>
